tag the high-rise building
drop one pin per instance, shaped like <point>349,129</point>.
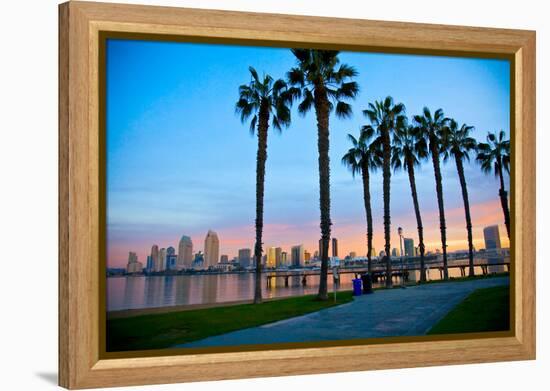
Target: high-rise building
<point>211,249</point>
<point>408,244</point>
<point>133,265</point>
<point>224,259</point>
<point>161,264</point>
<point>492,237</point>
<point>352,254</point>
<point>278,256</point>
<point>245,257</point>
<point>198,261</point>
<point>185,253</point>
<point>297,255</point>
<point>284,258</point>
<point>154,257</point>
<point>382,254</point>
<point>271,257</point>
<point>334,247</point>
<point>171,258</point>
<point>149,266</point>
<point>394,252</point>
<point>307,256</point>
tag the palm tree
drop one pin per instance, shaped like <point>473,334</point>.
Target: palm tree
<point>325,84</point>
<point>458,143</point>
<point>407,152</point>
<point>264,100</point>
<point>386,116</point>
<point>362,158</point>
<point>496,154</point>
<point>430,129</point>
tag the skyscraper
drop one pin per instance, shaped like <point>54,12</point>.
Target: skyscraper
<point>271,257</point>
<point>154,257</point>
<point>245,257</point>
<point>284,258</point>
<point>492,237</point>
<point>171,258</point>
<point>211,249</point>
<point>224,259</point>
<point>394,252</point>
<point>161,264</point>
<point>334,247</point>
<point>297,255</point>
<point>409,247</point>
<point>279,256</point>
<point>133,265</point>
<point>185,253</point>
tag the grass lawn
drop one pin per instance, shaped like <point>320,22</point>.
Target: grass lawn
<point>486,309</point>
<point>466,279</point>
<point>157,331</point>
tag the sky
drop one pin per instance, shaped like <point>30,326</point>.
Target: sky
<point>180,162</point>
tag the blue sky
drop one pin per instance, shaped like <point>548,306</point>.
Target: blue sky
<point>180,162</point>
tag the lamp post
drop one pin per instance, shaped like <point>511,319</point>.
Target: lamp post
<point>400,232</point>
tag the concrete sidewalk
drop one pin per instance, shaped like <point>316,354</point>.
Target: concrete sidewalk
<point>395,312</point>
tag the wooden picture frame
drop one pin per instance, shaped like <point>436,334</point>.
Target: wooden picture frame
<point>81,364</point>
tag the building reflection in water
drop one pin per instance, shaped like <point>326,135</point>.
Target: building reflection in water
<point>158,291</point>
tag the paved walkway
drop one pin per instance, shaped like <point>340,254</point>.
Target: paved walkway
<point>395,312</point>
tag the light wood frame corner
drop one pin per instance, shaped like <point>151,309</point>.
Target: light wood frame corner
<point>80,25</point>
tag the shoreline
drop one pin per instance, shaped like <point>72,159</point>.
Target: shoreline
<point>129,313</point>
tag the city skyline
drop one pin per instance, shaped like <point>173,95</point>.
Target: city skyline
<point>278,254</point>
<point>195,184</point>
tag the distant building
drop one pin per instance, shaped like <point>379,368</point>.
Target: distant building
<point>284,258</point>
<point>394,252</point>
<point>245,257</point>
<point>149,266</point>
<point>155,258</point>
<point>492,237</point>
<point>334,247</point>
<point>198,261</point>
<point>185,253</point>
<point>409,247</point>
<point>316,254</point>
<point>297,255</point>
<point>171,258</point>
<point>353,254</point>
<point>307,256</point>
<point>271,257</point>
<point>279,257</point>
<point>224,259</point>
<point>382,254</point>
<point>161,264</point>
<point>211,249</point>
<point>133,265</point>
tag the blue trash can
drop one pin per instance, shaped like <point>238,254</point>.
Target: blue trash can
<point>357,287</point>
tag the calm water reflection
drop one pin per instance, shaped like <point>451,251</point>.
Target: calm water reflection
<point>160,291</point>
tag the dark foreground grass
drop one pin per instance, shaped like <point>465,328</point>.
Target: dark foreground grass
<point>158,331</point>
<point>486,309</point>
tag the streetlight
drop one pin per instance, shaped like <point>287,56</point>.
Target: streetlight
<point>400,233</point>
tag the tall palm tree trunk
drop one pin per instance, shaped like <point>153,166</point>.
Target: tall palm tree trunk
<point>322,113</point>
<point>412,182</point>
<point>460,169</point>
<point>263,125</point>
<point>368,211</point>
<point>504,199</point>
<point>386,191</point>
<point>434,149</point>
